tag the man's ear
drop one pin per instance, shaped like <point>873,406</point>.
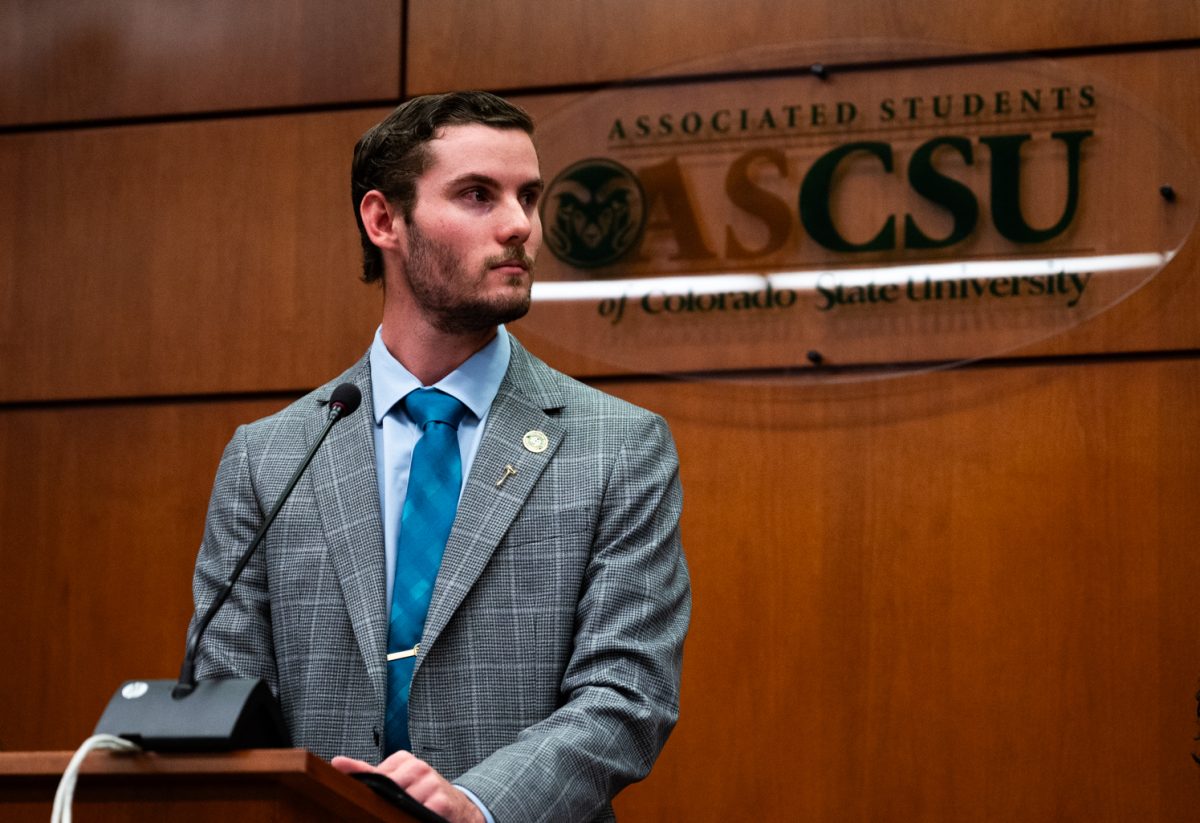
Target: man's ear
<point>382,221</point>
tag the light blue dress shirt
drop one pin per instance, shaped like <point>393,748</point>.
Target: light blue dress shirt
<point>475,383</point>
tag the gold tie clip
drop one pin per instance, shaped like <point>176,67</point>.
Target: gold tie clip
<point>406,653</point>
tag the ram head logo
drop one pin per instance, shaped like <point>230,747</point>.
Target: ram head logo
<point>596,213</point>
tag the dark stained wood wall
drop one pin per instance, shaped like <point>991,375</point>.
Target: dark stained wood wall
<point>968,595</point>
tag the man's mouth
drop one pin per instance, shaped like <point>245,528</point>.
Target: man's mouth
<point>523,265</point>
<point>515,263</point>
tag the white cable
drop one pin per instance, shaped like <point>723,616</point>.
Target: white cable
<point>66,786</point>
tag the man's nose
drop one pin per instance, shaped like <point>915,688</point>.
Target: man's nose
<point>515,222</point>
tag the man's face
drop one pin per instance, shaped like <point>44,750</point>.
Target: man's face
<point>475,230</point>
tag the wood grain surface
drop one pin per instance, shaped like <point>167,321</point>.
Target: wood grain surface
<point>78,60</point>
<point>518,43</point>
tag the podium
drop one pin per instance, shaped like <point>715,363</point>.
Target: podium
<point>243,786</point>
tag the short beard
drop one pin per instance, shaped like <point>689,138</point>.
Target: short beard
<point>433,273</point>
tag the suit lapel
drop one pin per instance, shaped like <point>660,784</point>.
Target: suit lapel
<point>486,510</point>
<point>347,497</point>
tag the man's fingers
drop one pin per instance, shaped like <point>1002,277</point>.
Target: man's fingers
<point>348,765</point>
<point>422,782</point>
<point>395,759</point>
<point>409,772</point>
<point>424,785</point>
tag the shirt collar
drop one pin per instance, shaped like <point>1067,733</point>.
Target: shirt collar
<point>475,382</point>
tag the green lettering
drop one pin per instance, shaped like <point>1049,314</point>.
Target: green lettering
<point>1006,185</point>
<point>816,192</point>
<point>946,192</point>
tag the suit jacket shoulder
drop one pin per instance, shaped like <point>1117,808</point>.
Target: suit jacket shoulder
<point>553,390</point>
<point>289,423</point>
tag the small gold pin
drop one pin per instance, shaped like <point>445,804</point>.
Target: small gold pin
<point>406,653</point>
<point>535,441</point>
<point>509,471</point>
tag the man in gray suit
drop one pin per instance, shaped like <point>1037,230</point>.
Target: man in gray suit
<point>546,677</point>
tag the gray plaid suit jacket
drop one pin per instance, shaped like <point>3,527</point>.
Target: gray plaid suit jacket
<point>548,675</point>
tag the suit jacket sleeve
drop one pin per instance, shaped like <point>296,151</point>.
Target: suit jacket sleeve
<point>619,695</point>
<point>239,640</point>
<point>308,613</point>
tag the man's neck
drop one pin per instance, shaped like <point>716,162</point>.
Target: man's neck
<point>428,353</point>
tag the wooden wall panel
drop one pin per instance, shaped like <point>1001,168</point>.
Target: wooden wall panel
<point>181,258</point>
<point>101,515</point>
<point>1149,85</point>
<point>75,60</point>
<point>965,596</point>
<point>185,243</point>
<point>516,43</point>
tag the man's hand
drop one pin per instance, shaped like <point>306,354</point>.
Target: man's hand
<point>422,782</point>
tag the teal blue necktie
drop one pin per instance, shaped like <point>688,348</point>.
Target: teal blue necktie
<point>434,482</point>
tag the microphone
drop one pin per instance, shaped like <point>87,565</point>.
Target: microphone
<point>214,715</point>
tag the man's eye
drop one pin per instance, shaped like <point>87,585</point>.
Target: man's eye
<point>476,195</point>
<point>529,198</point>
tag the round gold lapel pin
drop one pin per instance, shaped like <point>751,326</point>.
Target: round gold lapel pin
<point>536,441</point>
